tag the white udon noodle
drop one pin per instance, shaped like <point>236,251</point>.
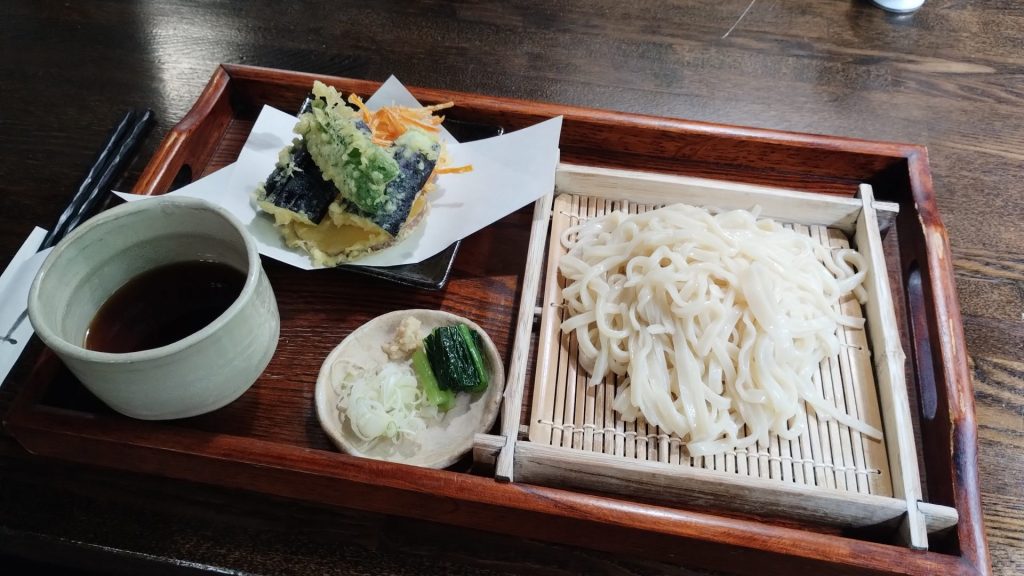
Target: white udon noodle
<point>714,321</point>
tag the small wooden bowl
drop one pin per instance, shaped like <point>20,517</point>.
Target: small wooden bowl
<point>440,445</point>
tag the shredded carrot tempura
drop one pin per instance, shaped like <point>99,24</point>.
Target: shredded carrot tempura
<point>390,122</point>
<point>454,169</point>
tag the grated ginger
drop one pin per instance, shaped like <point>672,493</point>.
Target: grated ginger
<point>407,339</point>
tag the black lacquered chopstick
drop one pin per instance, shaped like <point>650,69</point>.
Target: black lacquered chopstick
<point>118,150</point>
<point>123,155</point>
<point>115,138</point>
<point>124,140</point>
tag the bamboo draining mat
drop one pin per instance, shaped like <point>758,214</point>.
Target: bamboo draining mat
<point>568,413</point>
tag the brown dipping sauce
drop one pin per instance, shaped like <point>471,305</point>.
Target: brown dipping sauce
<point>164,305</point>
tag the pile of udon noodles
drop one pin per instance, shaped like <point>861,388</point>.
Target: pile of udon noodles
<point>716,322</point>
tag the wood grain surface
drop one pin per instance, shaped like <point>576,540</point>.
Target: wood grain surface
<point>948,77</point>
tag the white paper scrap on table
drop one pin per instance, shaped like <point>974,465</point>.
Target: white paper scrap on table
<point>509,172</point>
<point>15,283</point>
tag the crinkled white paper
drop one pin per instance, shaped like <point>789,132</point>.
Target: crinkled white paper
<point>509,172</point>
<point>14,287</point>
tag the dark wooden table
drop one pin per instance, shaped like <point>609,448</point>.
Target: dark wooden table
<point>949,77</point>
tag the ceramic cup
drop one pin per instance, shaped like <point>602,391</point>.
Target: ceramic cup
<point>199,373</point>
<point>899,6</point>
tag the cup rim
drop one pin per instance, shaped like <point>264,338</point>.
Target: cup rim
<point>79,352</point>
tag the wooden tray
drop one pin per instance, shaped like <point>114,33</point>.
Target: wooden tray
<point>269,441</point>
